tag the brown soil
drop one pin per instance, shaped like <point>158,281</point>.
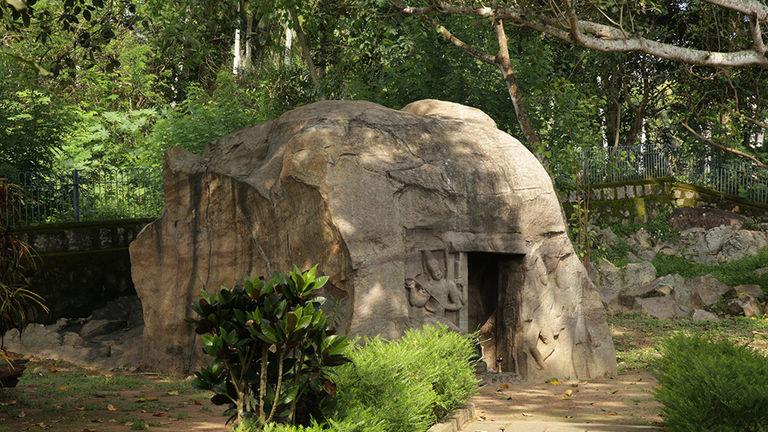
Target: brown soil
<point>151,404</point>
<point>38,405</point>
<point>626,399</point>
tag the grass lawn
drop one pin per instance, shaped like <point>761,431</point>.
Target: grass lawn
<point>60,397</point>
<point>637,336</point>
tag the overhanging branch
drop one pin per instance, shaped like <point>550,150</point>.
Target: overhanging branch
<point>602,37</point>
<point>726,149</point>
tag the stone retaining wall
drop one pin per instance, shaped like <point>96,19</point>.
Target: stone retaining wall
<point>638,201</point>
<point>82,266</point>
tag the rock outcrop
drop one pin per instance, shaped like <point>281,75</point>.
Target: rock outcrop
<point>721,244</point>
<point>425,214</point>
<point>109,339</point>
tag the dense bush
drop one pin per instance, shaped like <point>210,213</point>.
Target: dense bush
<point>708,385</point>
<point>399,386</point>
<point>271,348</point>
<point>410,383</point>
<point>202,118</point>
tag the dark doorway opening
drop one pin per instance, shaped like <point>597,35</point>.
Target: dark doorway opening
<point>494,294</point>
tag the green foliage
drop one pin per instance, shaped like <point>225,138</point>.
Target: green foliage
<point>17,259</point>
<point>709,384</point>
<point>202,118</point>
<point>404,385</point>
<point>32,127</point>
<point>616,253</point>
<point>270,348</point>
<point>408,384</point>
<point>106,140</point>
<point>737,272</point>
<point>638,337</point>
<point>658,226</point>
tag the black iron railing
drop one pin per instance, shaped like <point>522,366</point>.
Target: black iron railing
<point>85,195</point>
<point>715,170</point>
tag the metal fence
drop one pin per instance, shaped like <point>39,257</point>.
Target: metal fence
<point>85,195</point>
<point>711,169</point>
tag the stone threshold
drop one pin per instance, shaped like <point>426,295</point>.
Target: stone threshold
<point>456,420</point>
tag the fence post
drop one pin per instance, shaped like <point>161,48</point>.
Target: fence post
<point>76,195</point>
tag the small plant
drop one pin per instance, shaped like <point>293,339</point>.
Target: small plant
<point>17,301</point>
<point>139,425</point>
<point>710,385</point>
<point>271,348</point>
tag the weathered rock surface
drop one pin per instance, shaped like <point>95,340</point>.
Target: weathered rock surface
<point>702,315</point>
<point>721,244</point>
<point>381,200</point>
<point>670,296</point>
<point>744,305</point>
<point>100,343</point>
<point>608,280</point>
<point>706,290</point>
<point>751,290</point>
<point>663,307</point>
<point>95,328</point>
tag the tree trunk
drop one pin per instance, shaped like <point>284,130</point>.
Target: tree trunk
<point>518,102</point>
<point>306,54</point>
<point>248,60</point>
<point>636,129</point>
<point>237,60</point>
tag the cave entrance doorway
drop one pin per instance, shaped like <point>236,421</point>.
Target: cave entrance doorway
<point>495,293</point>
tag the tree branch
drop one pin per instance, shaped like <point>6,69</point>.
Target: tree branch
<point>518,101</point>
<point>726,149</point>
<point>601,37</point>
<point>450,37</point>
<point>757,34</point>
<point>747,7</point>
<point>754,121</point>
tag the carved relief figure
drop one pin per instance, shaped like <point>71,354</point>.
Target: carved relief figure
<point>434,292</point>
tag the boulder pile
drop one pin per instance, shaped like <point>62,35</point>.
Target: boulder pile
<point>109,339</point>
<point>636,287</point>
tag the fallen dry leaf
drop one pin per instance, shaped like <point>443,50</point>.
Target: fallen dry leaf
<point>146,399</point>
<point>111,407</point>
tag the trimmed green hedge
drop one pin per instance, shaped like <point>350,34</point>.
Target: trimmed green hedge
<point>405,385</point>
<point>708,385</point>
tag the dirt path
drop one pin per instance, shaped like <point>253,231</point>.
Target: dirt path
<point>599,405</point>
<point>64,398</point>
<point>54,396</point>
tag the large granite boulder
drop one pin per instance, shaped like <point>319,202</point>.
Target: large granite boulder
<point>428,214</point>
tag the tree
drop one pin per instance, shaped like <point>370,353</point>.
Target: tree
<point>648,28</point>
<point>88,25</point>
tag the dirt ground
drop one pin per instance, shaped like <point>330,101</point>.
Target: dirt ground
<point>624,400</point>
<point>65,398</point>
